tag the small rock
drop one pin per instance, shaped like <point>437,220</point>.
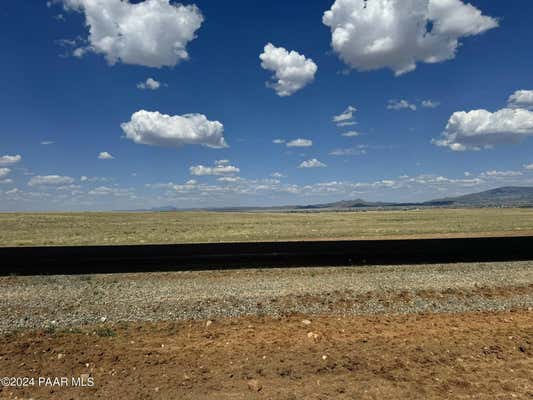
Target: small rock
<point>324,357</point>
<point>103,319</point>
<point>313,336</point>
<point>208,323</point>
<point>254,385</point>
<point>306,322</point>
<point>60,356</point>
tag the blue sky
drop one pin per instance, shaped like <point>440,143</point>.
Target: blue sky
<point>72,77</point>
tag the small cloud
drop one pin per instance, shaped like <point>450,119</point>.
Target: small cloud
<point>528,167</point>
<point>229,179</point>
<point>10,160</point>
<point>94,179</point>
<point>47,142</point>
<point>300,143</point>
<point>4,172</point>
<point>430,104</point>
<point>104,155</point>
<point>201,170</point>
<point>400,105</point>
<point>346,117</point>
<point>278,141</point>
<point>347,123</point>
<point>277,175</point>
<point>500,174</point>
<point>292,70</point>
<point>351,134</point>
<point>312,163</point>
<point>352,151</point>
<point>149,84</point>
<point>40,180</point>
<point>521,99</point>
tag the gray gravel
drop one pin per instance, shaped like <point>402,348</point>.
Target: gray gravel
<point>63,301</point>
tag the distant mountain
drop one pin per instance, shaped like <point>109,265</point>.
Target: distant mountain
<point>164,208</point>
<point>510,196</point>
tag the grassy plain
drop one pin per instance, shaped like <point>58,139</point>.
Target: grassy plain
<point>109,228</point>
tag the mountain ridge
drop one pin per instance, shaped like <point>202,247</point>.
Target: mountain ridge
<point>506,196</point>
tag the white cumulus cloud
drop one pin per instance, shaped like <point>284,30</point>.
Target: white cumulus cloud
<point>224,169</point>
<point>400,105</point>
<point>51,180</point>
<point>500,174</point>
<point>300,143</point>
<point>10,160</point>
<point>151,33</point>
<point>156,129</point>
<point>312,163</point>
<point>149,84</point>
<point>4,172</point>
<point>430,104</point>
<point>396,34</point>
<point>351,134</point>
<point>521,99</point>
<point>104,155</point>
<point>345,118</point>
<point>292,70</point>
<point>482,129</point>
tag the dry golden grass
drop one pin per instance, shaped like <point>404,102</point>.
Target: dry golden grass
<point>29,229</point>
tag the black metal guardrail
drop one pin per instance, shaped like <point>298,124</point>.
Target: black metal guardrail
<point>212,256</point>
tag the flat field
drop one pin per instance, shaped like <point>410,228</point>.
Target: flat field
<point>108,228</point>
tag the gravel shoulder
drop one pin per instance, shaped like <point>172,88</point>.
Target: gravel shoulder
<point>69,301</point>
<point>462,331</point>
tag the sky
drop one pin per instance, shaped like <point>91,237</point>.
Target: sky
<point>118,105</point>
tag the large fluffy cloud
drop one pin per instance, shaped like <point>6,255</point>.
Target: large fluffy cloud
<point>292,70</point>
<point>152,33</point>
<point>54,180</point>
<point>482,129</point>
<point>396,34</point>
<point>10,160</point>
<point>156,129</point>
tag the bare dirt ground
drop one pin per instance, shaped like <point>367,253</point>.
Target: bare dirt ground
<point>429,356</point>
<point>450,331</point>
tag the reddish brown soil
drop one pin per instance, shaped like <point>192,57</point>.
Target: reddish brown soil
<point>438,356</point>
